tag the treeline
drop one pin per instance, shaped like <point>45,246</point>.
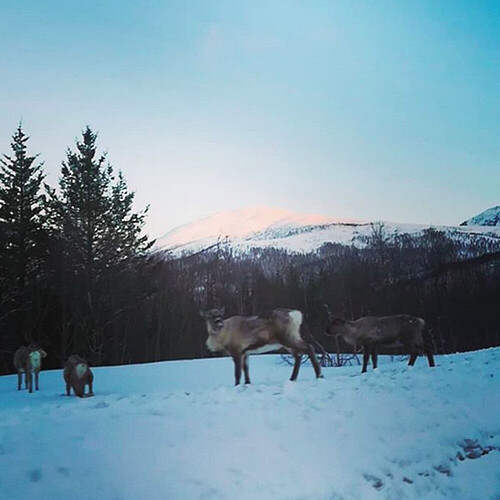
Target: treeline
<point>452,280</point>
<point>77,274</point>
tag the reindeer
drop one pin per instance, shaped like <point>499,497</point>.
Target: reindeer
<point>239,336</point>
<point>387,331</point>
<point>28,360</point>
<point>77,375</point>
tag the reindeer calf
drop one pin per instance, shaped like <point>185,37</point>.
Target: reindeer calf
<point>241,335</point>
<point>28,360</point>
<point>386,331</point>
<point>77,375</point>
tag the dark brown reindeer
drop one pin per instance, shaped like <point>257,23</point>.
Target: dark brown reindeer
<point>239,336</point>
<point>28,360</point>
<point>77,375</point>
<point>373,332</point>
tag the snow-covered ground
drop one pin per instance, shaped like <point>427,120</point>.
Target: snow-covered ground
<point>180,430</point>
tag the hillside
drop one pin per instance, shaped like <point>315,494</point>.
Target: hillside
<point>262,227</point>
<point>490,217</point>
<point>179,430</point>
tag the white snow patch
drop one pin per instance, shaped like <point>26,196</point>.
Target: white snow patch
<point>180,430</point>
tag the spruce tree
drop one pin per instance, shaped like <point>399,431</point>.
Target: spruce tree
<point>99,234</point>
<point>21,234</point>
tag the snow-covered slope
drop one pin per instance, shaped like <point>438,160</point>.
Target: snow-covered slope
<point>263,227</point>
<point>240,225</point>
<point>179,430</point>
<point>490,217</point>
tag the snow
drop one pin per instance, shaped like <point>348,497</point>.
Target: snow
<point>262,227</point>
<point>490,217</point>
<point>180,430</point>
<point>240,224</point>
<point>311,238</point>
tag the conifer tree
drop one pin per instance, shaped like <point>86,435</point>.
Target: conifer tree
<point>99,233</point>
<point>21,232</point>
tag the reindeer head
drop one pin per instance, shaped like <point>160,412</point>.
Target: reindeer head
<point>214,319</point>
<point>81,369</point>
<point>335,327</point>
<point>36,348</point>
<point>35,354</point>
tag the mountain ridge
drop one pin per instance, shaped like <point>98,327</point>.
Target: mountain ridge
<point>489,217</point>
<point>259,227</point>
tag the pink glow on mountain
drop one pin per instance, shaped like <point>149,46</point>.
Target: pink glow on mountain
<point>241,224</point>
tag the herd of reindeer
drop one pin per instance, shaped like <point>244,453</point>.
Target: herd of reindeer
<point>239,336</point>
<point>76,373</point>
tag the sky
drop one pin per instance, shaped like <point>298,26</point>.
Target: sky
<point>386,110</point>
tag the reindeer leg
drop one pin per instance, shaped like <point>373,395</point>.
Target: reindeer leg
<point>91,381</point>
<point>296,366</point>
<point>430,357</point>
<point>25,380</point>
<point>366,358</point>
<point>428,351</point>
<point>374,357</point>
<point>245,368</point>
<point>29,375</point>
<point>237,368</point>
<point>36,380</point>
<point>413,358</point>
<point>428,347</point>
<point>19,381</point>
<point>314,361</point>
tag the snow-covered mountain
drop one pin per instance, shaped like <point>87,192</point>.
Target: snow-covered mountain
<point>180,430</point>
<point>262,227</point>
<point>490,217</point>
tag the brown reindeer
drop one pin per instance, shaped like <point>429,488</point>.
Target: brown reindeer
<point>77,375</point>
<point>241,335</point>
<point>28,360</point>
<point>386,331</point>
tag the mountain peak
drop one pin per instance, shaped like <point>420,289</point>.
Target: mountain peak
<point>490,217</point>
<point>241,223</point>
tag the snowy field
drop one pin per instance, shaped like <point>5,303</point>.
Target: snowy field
<point>180,430</point>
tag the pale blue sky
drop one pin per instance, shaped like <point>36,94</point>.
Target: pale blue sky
<point>376,110</point>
